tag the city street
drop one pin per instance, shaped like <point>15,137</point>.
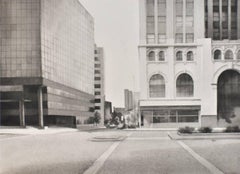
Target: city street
<point>115,151</point>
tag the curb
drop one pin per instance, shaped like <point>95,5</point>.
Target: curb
<point>202,137</point>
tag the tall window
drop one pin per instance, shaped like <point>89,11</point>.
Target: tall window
<point>234,19</point>
<point>150,22</point>
<point>190,56</point>
<point>184,85</point>
<point>228,55</point>
<point>224,19</point>
<point>162,21</point>
<point>189,21</point>
<point>179,21</point>
<point>217,55</point>
<point>216,20</point>
<point>179,56</point>
<point>161,56</point>
<point>151,56</point>
<point>157,86</point>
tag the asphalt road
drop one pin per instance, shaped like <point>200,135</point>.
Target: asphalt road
<point>122,152</point>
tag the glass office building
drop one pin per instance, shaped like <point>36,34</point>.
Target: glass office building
<point>46,62</point>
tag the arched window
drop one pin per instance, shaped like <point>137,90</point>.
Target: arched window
<point>190,56</point>
<point>228,55</point>
<point>238,55</point>
<point>217,55</point>
<point>161,56</point>
<point>179,56</point>
<point>157,86</point>
<point>151,56</point>
<point>185,85</point>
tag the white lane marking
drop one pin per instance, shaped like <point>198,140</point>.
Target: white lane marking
<point>148,138</point>
<point>203,161</point>
<point>101,160</point>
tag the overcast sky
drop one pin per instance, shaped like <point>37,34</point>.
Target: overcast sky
<point>116,29</point>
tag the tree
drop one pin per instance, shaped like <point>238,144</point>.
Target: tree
<point>97,117</point>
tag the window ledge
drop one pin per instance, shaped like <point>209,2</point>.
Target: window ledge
<point>156,62</point>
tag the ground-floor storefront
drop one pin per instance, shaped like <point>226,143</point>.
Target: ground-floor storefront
<point>170,116</point>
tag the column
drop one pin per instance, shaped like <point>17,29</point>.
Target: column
<point>40,108</point>
<point>215,102</point>
<point>22,113</point>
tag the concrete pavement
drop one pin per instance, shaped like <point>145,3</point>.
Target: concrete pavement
<point>115,151</point>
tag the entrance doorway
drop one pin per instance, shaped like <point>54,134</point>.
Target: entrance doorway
<point>229,96</point>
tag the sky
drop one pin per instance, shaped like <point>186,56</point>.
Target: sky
<point>117,31</point>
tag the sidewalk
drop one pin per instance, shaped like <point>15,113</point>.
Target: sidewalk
<point>203,136</point>
<point>90,127</point>
<point>34,131</point>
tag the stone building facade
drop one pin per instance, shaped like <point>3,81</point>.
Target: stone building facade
<point>189,56</point>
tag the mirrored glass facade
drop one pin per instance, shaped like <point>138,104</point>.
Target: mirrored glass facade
<point>20,38</point>
<point>47,49</point>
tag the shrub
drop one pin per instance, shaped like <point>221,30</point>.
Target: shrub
<point>232,129</point>
<point>90,120</point>
<point>186,130</point>
<point>97,117</point>
<point>205,130</point>
<point>106,121</point>
<point>132,126</point>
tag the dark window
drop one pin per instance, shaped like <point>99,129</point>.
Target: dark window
<point>184,86</point>
<point>151,56</point>
<point>161,56</point>
<point>97,107</point>
<point>96,59</point>
<point>97,65</point>
<point>157,86</point>
<point>190,56</point>
<point>97,71</point>
<point>228,55</point>
<point>97,78</point>
<point>217,55</point>
<point>179,56</point>
<point>97,86</point>
<point>97,100</point>
<point>97,93</point>
<point>95,51</point>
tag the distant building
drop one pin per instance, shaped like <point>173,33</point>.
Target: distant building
<point>131,99</point>
<point>189,56</point>
<point>99,81</point>
<point>120,110</point>
<point>47,64</point>
<point>132,105</point>
<point>107,110</point>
